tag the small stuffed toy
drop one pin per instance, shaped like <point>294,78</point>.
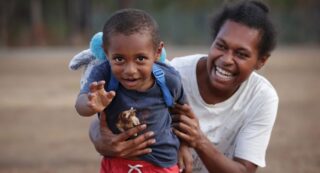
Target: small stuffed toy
<point>93,56</point>
<point>89,58</point>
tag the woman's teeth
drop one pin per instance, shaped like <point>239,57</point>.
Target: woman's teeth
<point>223,74</point>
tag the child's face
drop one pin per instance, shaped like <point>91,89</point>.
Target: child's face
<point>233,56</point>
<point>131,58</point>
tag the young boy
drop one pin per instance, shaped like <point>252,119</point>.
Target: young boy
<point>132,88</point>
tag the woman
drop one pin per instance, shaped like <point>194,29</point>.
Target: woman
<point>231,110</point>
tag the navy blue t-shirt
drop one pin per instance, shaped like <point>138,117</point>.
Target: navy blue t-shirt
<point>150,109</point>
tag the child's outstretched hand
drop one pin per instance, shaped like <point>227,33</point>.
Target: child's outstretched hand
<point>98,97</point>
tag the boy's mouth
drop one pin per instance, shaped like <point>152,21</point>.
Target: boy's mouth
<point>129,81</point>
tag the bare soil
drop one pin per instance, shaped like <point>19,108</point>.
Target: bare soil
<point>40,132</point>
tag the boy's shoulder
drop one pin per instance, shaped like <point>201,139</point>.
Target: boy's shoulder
<point>172,76</point>
<point>168,69</point>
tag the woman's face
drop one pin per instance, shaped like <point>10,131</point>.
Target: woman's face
<point>233,56</point>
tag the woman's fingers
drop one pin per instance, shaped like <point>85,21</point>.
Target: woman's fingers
<point>183,109</point>
<point>131,132</point>
<point>184,136</point>
<point>103,121</point>
<point>133,147</point>
<point>139,145</point>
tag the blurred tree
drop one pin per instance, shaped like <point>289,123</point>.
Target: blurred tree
<point>65,22</point>
<point>79,20</point>
<point>38,27</point>
<point>6,10</point>
<point>124,3</point>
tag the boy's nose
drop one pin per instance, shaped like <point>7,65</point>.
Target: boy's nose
<point>130,69</point>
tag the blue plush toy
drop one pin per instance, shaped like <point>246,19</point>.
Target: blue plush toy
<point>94,56</point>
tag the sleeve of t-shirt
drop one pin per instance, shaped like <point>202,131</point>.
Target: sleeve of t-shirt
<point>253,139</point>
<point>98,73</point>
<point>176,87</point>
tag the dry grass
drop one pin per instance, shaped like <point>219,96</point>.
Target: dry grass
<point>40,131</point>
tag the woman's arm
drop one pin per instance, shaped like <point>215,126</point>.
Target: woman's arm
<point>186,126</point>
<point>109,144</point>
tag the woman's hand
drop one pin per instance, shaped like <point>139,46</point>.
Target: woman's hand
<point>118,145</point>
<point>186,125</point>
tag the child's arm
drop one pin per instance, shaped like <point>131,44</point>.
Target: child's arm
<point>95,101</point>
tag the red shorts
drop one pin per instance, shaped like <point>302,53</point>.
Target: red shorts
<point>119,165</point>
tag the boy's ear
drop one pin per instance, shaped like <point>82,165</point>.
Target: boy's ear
<point>159,49</point>
<point>262,61</point>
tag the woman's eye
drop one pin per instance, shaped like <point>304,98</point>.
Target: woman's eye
<point>220,46</point>
<point>242,55</point>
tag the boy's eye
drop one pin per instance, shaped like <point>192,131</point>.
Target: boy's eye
<point>141,58</point>
<point>118,59</point>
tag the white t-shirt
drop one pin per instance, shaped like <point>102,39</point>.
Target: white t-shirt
<point>238,127</point>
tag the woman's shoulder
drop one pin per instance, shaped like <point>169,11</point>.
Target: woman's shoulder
<point>262,85</point>
<point>188,60</point>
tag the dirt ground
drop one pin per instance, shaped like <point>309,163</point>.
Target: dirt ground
<point>40,132</point>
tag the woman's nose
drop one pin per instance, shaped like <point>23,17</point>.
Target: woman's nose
<point>227,58</point>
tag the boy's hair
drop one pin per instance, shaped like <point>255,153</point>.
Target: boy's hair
<point>253,14</point>
<point>130,21</point>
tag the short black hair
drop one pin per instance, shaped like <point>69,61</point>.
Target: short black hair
<point>130,21</point>
<point>253,14</point>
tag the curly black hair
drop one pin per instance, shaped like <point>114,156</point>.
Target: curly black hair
<point>130,21</point>
<point>253,14</point>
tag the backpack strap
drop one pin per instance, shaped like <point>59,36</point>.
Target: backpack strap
<point>113,83</point>
<point>161,81</point>
<point>159,75</point>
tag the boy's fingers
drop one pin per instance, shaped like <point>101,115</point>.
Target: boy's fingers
<point>90,96</point>
<point>111,94</point>
<point>93,87</point>
<point>100,85</point>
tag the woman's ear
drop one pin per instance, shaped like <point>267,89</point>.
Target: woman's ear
<point>261,61</point>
